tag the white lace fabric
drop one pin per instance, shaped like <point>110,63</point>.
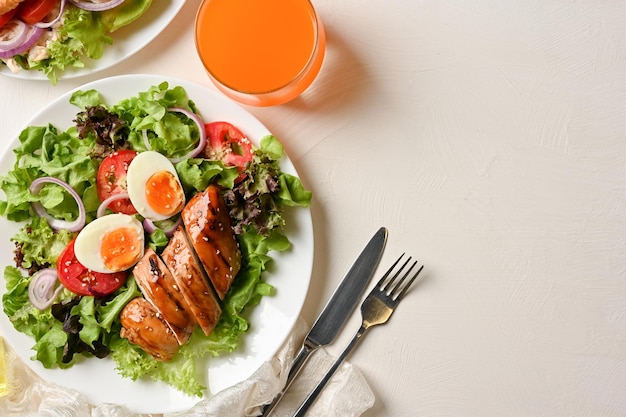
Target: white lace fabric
<point>347,395</point>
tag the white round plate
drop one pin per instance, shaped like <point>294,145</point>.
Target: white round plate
<point>270,321</point>
<point>126,42</point>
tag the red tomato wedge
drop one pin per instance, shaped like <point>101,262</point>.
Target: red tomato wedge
<point>4,19</point>
<point>228,143</point>
<point>77,278</point>
<point>33,11</point>
<point>111,180</point>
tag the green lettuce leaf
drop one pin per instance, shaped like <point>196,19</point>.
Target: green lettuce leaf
<point>125,14</point>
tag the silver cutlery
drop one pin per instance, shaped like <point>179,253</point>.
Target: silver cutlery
<point>338,309</point>
<point>376,309</point>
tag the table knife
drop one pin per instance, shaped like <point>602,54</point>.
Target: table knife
<point>338,309</point>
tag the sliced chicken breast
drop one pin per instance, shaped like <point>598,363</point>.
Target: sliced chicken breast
<point>159,287</point>
<point>142,325</point>
<point>208,225</point>
<point>180,259</point>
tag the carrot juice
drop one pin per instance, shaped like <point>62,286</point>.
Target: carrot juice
<point>260,52</point>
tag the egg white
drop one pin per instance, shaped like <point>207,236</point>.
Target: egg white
<point>89,240</point>
<point>141,168</point>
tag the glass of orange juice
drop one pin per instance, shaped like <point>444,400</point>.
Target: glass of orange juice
<point>260,52</point>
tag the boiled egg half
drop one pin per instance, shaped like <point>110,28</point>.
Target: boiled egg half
<point>110,243</point>
<point>154,187</point>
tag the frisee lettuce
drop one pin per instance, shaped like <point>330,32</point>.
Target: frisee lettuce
<point>88,326</point>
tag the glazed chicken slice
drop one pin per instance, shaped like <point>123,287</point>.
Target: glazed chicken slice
<point>181,260</point>
<point>142,325</point>
<point>159,287</point>
<point>208,225</point>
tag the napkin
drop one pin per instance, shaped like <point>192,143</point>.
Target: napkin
<point>346,395</point>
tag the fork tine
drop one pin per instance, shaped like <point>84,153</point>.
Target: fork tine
<point>380,283</point>
<point>386,287</point>
<point>399,296</point>
<point>396,287</point>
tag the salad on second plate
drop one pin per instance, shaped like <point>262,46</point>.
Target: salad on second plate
<point>52,35</point>
<point>146,232</point>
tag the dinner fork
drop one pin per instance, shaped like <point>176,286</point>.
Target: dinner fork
<point>377,308</point>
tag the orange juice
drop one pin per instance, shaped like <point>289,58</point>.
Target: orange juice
<point>260,52</point>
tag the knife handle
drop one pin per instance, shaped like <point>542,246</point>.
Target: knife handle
<point>303,355</point>
<point>308,402</point>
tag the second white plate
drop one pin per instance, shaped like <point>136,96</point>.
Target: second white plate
<point>126,42</point>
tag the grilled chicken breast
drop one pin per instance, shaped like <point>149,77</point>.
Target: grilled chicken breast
<point>181,260</point>
<point>159,287</point>
<point>184,286</point>
<point>208,225</point>
<point>143,326</point>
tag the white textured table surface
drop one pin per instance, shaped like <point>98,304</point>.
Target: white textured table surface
<point>490,138</point>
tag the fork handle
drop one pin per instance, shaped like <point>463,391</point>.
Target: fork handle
<point>305,352</point>
<point>308,402</point>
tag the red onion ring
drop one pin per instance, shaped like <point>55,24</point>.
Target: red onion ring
<point>146,141</point>
<point>114,197</point>
<point>201,143</point>
<point>33,34</point>
<point>57,224</point>
<point>41,289</point>
<point>96,7</point>
<point>45,25</point>
<point>19,30</point>
<point>149,226</point>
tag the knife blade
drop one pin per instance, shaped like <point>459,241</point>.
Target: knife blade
<point>338,309</point>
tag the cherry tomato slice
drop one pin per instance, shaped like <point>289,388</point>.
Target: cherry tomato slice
<point>111,180</point>
<point>228,143</point>
<point>33,11</point>
<point>5,18</point>
<point>77,278</point>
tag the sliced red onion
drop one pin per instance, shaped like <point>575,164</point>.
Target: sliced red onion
<point>201,143</point>
<point>33,34</point>
<point>45,25</point>
<point>18,30</point>
<point>41,289</point>
<point>146,141</point>
<point>57,224</point>
<point>114,197</point>
<point>149,226</point>
<point>96,7</point>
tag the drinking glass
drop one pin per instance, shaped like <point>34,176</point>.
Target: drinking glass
<point>260,52</point>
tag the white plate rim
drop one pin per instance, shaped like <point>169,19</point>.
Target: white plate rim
<point>271,321</point>
<point>127,41</point>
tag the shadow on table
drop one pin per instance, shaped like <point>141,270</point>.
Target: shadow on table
<point>343,80</point>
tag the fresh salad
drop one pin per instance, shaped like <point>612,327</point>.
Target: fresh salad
<point>59,186</point>
<point>52,35</point>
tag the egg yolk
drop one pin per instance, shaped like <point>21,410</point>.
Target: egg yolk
<point>164,193</point>
<point>120,248</point>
